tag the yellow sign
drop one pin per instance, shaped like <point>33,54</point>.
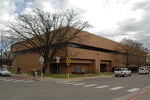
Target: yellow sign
<point>68,59</point>
<point>68,63</point>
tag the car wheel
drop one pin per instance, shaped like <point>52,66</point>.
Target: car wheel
<point>129,74</point>
<point>116,75</point>
<point>124,75</point>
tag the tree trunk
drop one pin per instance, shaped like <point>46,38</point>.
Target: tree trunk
<point>47,68</point>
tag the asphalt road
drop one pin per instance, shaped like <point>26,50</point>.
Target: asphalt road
<point>94,89</point>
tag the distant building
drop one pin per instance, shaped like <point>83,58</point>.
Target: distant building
<point>98,54</point>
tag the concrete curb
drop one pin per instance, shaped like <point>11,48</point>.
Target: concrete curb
<point>58,80</point>
<point>22,77</point>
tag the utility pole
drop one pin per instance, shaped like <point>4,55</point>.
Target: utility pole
<point>1,52</point>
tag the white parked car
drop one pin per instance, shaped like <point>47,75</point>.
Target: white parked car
<point>143,70</point>
<point>122,72</point>
<point>4,72</point>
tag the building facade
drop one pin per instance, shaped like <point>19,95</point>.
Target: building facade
<point>96,55</point>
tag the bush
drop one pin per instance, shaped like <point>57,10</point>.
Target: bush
<point>77,72</point>
<point>87,71</point>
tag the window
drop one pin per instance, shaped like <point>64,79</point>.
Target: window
<point>77,69</point>
<point>91,48</point>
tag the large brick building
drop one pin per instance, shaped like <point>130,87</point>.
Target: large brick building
<point>97,54</point>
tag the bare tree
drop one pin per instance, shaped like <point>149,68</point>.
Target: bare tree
<point>148,60</point>
<point>5,54</point>
<point>140,54</point>
<point>47,33</point>
<point>126,49</point>
<point>131,53</point>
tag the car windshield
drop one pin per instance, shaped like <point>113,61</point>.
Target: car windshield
<point>117,69</point>
<point>4,70</point>
<point>141,68</point>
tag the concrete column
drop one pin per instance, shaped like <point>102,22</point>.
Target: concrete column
<point>97,65</point>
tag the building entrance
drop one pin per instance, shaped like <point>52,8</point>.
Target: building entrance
<point>103,67</point>
<point>53,68</point>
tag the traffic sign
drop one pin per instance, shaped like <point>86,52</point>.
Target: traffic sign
<point>57,59</point>
<point>41,59</point>
<point>68,63</point>
<point>68,59</point>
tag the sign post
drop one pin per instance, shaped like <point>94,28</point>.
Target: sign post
<point>41,60</point>
<point>57,61</point>
<point>68,63</point>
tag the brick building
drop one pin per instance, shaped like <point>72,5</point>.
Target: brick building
<point>98,54</point>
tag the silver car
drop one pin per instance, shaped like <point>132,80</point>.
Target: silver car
<point>122,72</point>
<point>4,72</point>
<point>143,70</point>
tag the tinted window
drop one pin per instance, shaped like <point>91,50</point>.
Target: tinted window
<point>117,69</point>
<point>4,70</point>
<point>77,69</point>
<point>141,68</point>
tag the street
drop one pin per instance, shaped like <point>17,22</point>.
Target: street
<point>114,88</point>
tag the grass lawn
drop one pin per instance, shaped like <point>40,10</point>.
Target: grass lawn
<point>77,75</point>
<point>99,74</point>
<point>62,76</point>
<point>70,76</point>
<point>22,72</point>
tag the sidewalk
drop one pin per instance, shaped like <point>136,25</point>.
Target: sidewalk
<point>23,76</point>
<point>144,95</point>
<point>29,77</point>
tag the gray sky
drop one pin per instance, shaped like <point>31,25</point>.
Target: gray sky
<point>113,19</point>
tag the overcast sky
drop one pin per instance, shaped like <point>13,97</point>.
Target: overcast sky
<point>112,19</point>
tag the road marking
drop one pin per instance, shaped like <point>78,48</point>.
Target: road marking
<point>18,80</point>
<point>29,81</point>
<point>10,80</point>
<point>70,82</point>
<point>90,85</point>
<point>116,88</point>
<point>14,80</point>
<point>99,87</point>
<point>133,90</point>
<point>79,84</point>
